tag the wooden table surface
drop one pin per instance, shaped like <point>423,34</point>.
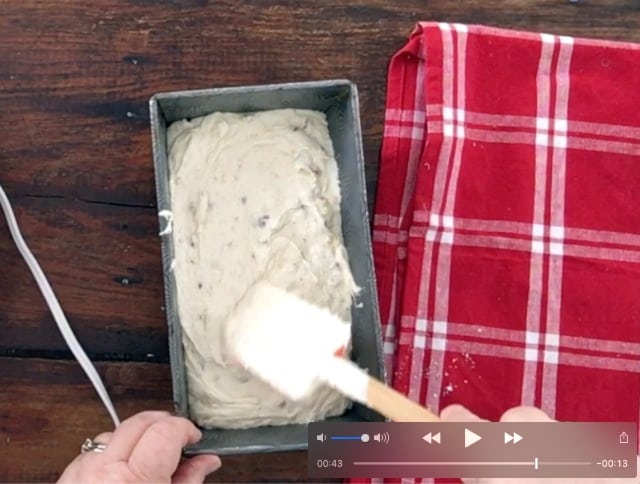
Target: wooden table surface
<point>75,159</point>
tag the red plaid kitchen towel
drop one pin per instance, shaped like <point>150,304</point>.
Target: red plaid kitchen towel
<point>507,225</point>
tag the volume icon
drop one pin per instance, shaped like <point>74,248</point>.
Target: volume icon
<point>321,437</point>
<point>382,437</point>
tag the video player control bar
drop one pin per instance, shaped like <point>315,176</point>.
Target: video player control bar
<point>482,449</point>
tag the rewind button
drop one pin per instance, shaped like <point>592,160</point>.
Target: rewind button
<point>429,438</point>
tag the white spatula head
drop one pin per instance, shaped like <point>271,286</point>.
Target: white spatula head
<point>283,339</point>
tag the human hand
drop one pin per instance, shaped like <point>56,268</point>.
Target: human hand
<point>144,448</point>
<point>458,413</point>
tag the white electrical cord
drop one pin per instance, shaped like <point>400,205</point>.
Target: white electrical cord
<point>56,310</point>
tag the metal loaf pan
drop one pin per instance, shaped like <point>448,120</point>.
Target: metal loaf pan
<point>339,100</point>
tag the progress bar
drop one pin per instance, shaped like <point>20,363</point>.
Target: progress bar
<point>534,463</point>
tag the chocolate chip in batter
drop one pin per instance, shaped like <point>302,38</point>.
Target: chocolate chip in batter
<point>243,200</point>
<point>262,221</point>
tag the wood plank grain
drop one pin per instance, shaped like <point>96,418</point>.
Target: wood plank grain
<point>103,262</point>
<point>76,81</point>
<point>48,408</point>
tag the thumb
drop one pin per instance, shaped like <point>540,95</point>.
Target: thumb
<point>458,413</point>
<point>196,469</point>
<point>525,414</point>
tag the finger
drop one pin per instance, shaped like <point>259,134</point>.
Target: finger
<point>196,469</point>
<point>103,438</point>
<point>525,414</point>
<point>128,434</point>
<point>159,450</point>
<point>458,413</point>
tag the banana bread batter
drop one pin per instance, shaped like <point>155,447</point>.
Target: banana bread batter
<point>254,196</point>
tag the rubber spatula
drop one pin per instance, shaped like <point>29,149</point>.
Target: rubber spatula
<point>295,346</point>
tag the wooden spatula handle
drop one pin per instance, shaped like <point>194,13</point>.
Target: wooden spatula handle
<point>395,406</point>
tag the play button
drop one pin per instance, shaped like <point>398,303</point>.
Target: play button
<point>470,438</point>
